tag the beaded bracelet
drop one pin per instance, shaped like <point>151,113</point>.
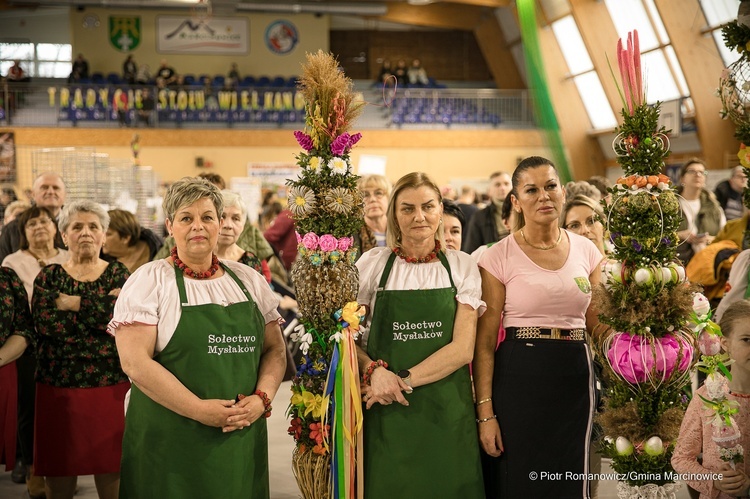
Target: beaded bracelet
<point>266,403</point>
<point>488,399</point>
<point>366,377</point>
<point>494,416</point>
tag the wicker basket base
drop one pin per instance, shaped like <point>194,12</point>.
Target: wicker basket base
<point>312,472</point>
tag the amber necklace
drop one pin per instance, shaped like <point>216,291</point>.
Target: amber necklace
<point>424,259</point>
<point>192,273</point>
<point>544,248</point>
<point>41,261</point>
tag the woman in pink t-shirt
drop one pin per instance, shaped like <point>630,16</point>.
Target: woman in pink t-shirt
<point>539,386</point>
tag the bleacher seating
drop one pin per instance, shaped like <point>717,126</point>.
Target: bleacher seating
<point>445,110</point>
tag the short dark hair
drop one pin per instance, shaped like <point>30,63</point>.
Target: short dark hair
<point>691,161</point>
<point>507,207</point>
<point>33,212</point>
<point>452,209</point>
<point>527,164</point>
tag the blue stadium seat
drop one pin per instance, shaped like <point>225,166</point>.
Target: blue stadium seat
<point>188,79</point>
<point>278,82</point>
<point>248,81</point>
<point>263,81</point>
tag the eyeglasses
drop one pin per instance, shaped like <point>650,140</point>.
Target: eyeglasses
<point>697,173</point>
<point>376,194</point>
<point>576,226</point>
<point>32,224</point>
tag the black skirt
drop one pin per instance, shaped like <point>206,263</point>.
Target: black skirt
<point>543,395</point>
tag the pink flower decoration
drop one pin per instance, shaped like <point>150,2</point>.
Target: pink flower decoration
<point>310,241</point>
<point>304,140</point>
<point>340,144</point>
<point>354,139</point>
<point>636,359</point>
<point>345,243</point>
<point>299,238</point>
<point>327,242</point>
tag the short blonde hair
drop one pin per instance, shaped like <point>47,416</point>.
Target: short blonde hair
<point>412,180</point>
<point>375,181</point>
<point>187,191</point>
<point>18,205</point>
<point>581,200</point>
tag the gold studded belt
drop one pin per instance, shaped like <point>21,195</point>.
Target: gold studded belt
<point>545,333</point>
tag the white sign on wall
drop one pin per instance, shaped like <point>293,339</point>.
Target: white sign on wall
<point>186,35</point>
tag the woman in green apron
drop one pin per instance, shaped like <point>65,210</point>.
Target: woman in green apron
<point>424,304</point>
<point>201,343</point>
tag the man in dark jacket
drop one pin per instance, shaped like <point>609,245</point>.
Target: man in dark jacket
<point>729,193</point>
<point>47,191</point>
<point>486,226</point>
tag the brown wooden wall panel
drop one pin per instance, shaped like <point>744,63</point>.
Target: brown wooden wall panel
<point>445,54</point>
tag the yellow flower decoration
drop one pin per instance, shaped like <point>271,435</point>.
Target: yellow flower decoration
<point>312,403</point>
<point>352,313</point>
<point>315,162</point>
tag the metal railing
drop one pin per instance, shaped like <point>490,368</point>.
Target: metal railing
<point>38,104</point>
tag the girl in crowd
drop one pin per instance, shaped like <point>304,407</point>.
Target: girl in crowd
<point>696,431</point>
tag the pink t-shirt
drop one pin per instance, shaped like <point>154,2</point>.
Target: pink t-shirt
<point>539,297</point>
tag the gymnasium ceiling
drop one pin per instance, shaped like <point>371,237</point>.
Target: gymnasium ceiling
<point>343,7</point>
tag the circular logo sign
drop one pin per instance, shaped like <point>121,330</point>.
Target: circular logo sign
<point>281,37</point>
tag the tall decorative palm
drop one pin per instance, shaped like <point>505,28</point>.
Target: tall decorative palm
<point>325,408</point>
<point>645,300</point>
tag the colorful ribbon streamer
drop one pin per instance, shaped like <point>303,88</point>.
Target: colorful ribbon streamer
<point>342,403</point>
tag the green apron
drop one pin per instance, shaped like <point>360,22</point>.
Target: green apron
<point>430,448</point>
<point>215,352</point>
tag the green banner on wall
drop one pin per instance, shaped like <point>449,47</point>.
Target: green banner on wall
<point>124,32</point>
<point>543,109</point>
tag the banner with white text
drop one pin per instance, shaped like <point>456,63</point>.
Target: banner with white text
<point>186,35</point>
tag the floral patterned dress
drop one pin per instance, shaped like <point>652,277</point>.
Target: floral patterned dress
<point>80,386</point>
<point>15,318</point>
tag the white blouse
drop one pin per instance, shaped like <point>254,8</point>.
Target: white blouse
<point>27,267</point>
<point>150,296</point>
<point>406,276</point>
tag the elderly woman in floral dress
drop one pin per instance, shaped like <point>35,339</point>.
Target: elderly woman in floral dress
<point>80,386</point>
<point>15,333</point>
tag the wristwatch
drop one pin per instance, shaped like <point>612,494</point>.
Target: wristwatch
<point>405,376</point>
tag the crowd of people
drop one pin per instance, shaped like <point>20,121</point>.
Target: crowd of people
<point>402,75</point>
<point>112,337</point>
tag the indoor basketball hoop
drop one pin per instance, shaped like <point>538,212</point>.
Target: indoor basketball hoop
<point>201,11</point>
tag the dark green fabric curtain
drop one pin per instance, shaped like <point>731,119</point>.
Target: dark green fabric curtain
<point>544,112</point>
